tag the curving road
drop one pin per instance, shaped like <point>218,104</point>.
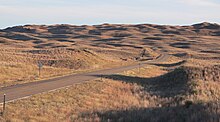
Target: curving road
<point>24,90</point>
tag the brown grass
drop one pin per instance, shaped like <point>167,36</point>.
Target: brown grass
<point>20,65</point>
<point>131,96</point>
<point>124,97</point>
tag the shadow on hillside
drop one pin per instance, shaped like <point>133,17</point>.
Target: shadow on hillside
<point>109,39</point>
<point>83,36</point>
<point>153,38</point>
<point>19,37</point>
<point>217,33</point>
<point>171,65</point>
<point>123,45</point>
<point>56,36</point>
<point>181,45</point>
<point>184,113</point>
<point>44,45</point>
<point>168,85</point>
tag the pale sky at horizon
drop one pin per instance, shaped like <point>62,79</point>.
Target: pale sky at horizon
<point>78,12</point>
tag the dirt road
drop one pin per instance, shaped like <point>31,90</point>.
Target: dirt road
<point>28,89</point>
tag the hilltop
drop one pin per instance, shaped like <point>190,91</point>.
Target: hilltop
<point>70,47</point>
<point>183,88</point>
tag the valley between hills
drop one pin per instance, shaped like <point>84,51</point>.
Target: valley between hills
<point>183,87</point>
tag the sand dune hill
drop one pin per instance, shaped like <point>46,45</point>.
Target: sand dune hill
<point>72,47</point>
<point>191,39</point>
<point>153,95</point>
<point>183,88</point>
<point>19,65</point>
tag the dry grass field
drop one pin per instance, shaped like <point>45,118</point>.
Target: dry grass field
<point>65,49</point>
<point>21,65</point>
<point>183,88</point>
<point>130,96</point>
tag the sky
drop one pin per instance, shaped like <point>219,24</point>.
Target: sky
<point>92,12</point>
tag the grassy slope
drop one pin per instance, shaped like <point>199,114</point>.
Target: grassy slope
<point>118,97</point>
<point>20,65</point>
<point>62,47</point>
<point>129,96</point>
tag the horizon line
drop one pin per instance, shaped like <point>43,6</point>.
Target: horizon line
<point>102,23</point>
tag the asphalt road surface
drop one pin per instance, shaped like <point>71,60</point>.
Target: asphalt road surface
<point>24,90</point>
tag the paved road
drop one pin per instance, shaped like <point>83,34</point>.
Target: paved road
<point>24,90</point>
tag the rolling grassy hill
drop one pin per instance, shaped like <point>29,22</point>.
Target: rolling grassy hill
<point>183,88</point>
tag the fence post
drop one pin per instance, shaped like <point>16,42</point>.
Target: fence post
<point>4,103</point>
<point>139,68</point>
<point>39,71</point>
